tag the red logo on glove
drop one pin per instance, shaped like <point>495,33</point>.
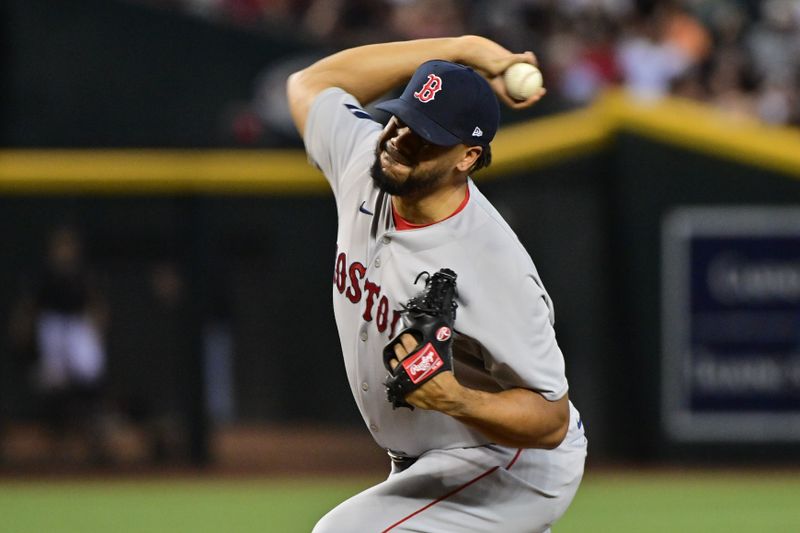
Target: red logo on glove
<point>443,333</point>
<point>429,90</point>
<point>422,364</point>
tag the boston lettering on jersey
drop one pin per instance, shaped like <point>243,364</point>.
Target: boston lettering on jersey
<point>351,282</point>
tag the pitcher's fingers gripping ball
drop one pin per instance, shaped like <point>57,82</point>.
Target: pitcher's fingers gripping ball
<point>522,80</point>
<point>429,318</point>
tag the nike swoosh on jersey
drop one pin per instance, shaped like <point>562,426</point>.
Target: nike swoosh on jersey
<point>364,209</point>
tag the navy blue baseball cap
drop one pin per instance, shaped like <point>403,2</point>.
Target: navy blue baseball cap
<point>446,104</point>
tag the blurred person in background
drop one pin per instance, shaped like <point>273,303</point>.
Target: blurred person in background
<point>422,19</point>
<point>774,46</point>
<point>663,44</point>
<point>584,56</point>
<point>61,325</point>
<point>345,21</point>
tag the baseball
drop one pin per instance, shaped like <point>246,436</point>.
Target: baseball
<point>522,80</point>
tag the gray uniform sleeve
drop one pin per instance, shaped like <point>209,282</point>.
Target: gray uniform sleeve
<point>523,351</point>
<point>338,132</point>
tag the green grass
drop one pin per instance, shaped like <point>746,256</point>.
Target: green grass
<point>711,503</point>
<point>619,503</point>
<point>169,506</point>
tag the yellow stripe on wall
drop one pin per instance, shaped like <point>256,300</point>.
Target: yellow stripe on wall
<point>701,128</point>
<point>548,140</point>
<point>518,147</point>
<point>158,171</point>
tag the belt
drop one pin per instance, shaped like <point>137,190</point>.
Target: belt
<point>400,461</point>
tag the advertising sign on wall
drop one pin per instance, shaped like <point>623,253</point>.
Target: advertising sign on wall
<point>731,324</point>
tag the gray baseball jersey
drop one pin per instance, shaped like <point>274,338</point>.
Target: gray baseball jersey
<point>504,321</point>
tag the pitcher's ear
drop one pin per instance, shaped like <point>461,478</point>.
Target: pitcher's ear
<point>471,155</point>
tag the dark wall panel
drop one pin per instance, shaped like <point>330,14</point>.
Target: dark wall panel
<point>263,266</point>
<point>267,265</point>
<point>651,179</point>
<point>107,73</point>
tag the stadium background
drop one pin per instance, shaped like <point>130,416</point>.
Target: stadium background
<point>158,131</point>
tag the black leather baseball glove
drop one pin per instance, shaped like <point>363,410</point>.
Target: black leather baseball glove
<point>429,318</point>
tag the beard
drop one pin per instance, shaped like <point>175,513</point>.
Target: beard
<point>417,182</point>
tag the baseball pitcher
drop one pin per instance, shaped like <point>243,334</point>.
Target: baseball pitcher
<point>446,329</point>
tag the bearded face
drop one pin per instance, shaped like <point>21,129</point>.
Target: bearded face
<point>407,165</point>
<point>414,182</point>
